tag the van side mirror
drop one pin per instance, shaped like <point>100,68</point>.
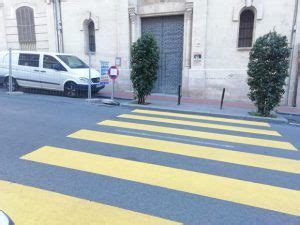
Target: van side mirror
<point>4,219</point>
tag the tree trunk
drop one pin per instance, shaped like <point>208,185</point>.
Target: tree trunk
<point>141,100</point>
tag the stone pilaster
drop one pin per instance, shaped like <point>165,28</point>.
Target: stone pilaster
<point>188,16</point>
<point>133,20</point>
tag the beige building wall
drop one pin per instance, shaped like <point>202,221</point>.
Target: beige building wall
<point>111,20</point>
<point>295,64</point>
<point>216,37</point>
<point>210,30</point>
<point>3,42</point>
<point>43,16</point>
<point>298,93</point>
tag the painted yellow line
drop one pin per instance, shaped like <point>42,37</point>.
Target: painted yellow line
<point>243,192</point>
<point>200,134</point>
<point>208,118</point>
<point>217,154</point>
<point>32,206</point>
<point>199,124</point>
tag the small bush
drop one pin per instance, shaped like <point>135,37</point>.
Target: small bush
<point>144,63</point>
<point>267,71</point>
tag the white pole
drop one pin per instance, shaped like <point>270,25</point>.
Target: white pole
<point>89,88</point>
<point>10,72</point>
<point>113,90</point>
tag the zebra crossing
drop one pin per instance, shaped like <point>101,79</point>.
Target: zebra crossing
<point>242,134</point>
<point>28,205</point>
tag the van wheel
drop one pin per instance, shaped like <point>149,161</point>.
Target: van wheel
<point>71,90</point>
<point>15,85</point>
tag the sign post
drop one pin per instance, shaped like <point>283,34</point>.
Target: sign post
<point>113,73</point>
<point>90,79</point>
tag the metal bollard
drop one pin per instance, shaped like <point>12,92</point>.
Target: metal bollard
<point>222,100</point>
<point>179,95</point>
<point>90,79</point>
<point>10,88</point>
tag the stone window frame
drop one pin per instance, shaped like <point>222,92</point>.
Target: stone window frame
<point>91,36</point>
<point>257,6</point>
<point>88,35</point>
<point>245,9</point>
<point>26,27</point>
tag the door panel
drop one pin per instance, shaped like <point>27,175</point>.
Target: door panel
<point>27,72</point>
<point>50,73</point>
<point>168,32</point>
<point>154,26</point>
<point>173,62</point>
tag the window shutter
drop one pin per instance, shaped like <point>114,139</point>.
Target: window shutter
<point>91,38</point>
<point>246,29</point>
<point>26,27</point>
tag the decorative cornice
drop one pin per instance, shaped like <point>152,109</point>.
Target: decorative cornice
<point>189,10</point>
<point>132,13</point>
<point>255,4</point>
<point>249,3</point>
<point>189,5</point>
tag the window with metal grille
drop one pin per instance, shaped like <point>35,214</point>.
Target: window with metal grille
<point>91,37</point>
<point>246,29</point>
<point>25,24</point>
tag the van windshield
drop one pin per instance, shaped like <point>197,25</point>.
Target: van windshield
<point>73,62</point>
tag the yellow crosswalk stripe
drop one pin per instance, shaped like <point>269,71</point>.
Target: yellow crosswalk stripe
<point>199,124</point>
<point>217,154</point>
<point>208,118</point>
<point>31,206</point>
<point>200,134</point>
<point>243,192</point>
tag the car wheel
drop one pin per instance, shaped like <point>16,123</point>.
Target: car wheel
<point>15,85</point>
<point>71,90</point>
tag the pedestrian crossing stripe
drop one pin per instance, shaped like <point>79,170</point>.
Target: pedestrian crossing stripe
<point>233,190</point>
<point>217,154</point>
<point>200,124</point>
<point>201,134</point>
<point>31,206</point>
<point>201,117</point>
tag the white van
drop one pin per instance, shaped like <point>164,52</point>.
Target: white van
<point>52,71</point>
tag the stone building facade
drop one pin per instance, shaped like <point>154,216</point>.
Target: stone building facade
<point>204,44</point>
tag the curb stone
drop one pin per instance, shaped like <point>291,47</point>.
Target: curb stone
<point>288,113</point>
<point>279,120</point>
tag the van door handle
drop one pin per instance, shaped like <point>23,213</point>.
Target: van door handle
<point>43,71</point>
<point>36,70</point>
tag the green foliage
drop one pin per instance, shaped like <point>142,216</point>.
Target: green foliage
<point>144,62</point>
<point>267,71</point>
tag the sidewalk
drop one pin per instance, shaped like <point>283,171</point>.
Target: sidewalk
<point>208,107</point>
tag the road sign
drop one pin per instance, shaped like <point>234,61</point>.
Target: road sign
<point>113,72</point>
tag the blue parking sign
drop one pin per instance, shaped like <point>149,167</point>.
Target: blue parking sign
<point>104,67</point>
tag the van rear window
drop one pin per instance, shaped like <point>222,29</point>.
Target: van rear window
<point>29,59</point>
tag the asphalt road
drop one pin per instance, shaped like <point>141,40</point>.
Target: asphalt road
<point>152,168</point>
